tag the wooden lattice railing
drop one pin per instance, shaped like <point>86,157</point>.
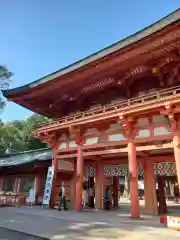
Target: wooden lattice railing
<point>166,94</point>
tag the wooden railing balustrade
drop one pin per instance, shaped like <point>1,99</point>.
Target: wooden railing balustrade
<point>165,94</point>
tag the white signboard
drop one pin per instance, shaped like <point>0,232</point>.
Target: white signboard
<point>173,222</point>
<point>48,186</point>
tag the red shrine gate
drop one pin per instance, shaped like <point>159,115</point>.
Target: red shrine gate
<point>134,85</point>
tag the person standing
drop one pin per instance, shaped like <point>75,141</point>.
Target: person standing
<point>84,198</point>
<point>62,198</point>
<point>157,197</point>
<point>106,199</point>
<point>91,197</point>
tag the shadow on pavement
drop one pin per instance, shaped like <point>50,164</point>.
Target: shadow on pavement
<point>8,234</point>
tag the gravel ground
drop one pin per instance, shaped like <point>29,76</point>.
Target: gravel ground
<point>6,234</point>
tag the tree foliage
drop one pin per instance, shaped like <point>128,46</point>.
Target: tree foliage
<point>5,77</point>
<point>18,135</point>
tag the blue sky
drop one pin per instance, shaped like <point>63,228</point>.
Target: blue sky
<point>39,37</point>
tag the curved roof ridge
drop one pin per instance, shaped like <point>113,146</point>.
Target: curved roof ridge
<point>160,24</point>
<point>26,157</point>
<point>26,152</point>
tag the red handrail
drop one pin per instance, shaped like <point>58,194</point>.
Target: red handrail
<point>122,105</point>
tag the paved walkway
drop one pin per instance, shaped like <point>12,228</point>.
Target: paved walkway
<point>54,225</point>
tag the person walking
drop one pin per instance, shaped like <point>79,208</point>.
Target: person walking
<point>62,196</point>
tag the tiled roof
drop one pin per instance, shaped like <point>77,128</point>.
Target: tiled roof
<point>26,157</point>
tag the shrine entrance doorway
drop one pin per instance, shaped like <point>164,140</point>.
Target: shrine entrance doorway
<point>115,178</point>
<point>89,192</point>
<point>68,179</point>
<point>168,195</point>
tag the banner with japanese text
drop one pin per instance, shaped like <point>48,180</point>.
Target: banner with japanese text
<point>48,187</point>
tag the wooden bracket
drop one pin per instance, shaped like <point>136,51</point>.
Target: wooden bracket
<point>128,124</point>
<point>78,132</point>
<point>176,143</point>
<point>171,114</point>
<point>50,139</point>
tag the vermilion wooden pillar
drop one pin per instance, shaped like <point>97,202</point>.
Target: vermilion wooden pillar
<point>130,132</point>
<point>133,171</point>
<point>150,188</point>
<point>176,141</point>
<point>79,177</point>
<point>99,186</point>
<point>174,120</point>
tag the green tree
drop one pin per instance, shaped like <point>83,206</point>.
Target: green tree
<point>18,135</point>
<point>11,137</point>
<point>31,124</point>
<point>5,77</point>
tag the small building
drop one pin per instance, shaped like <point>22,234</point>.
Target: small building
<point>21,172</point>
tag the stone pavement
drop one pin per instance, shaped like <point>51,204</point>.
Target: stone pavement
<point>54,225</point>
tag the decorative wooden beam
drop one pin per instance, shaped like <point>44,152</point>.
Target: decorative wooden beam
<point>154,147</point>
<point>117,151</point>
<point>49,138</point>
<point>129,127</point>
<point>78,132</point>
<point>176,110</point>
<point>170,113</point>
<point>122,160</point>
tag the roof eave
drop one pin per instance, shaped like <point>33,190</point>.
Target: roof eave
<point>159,25</point>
